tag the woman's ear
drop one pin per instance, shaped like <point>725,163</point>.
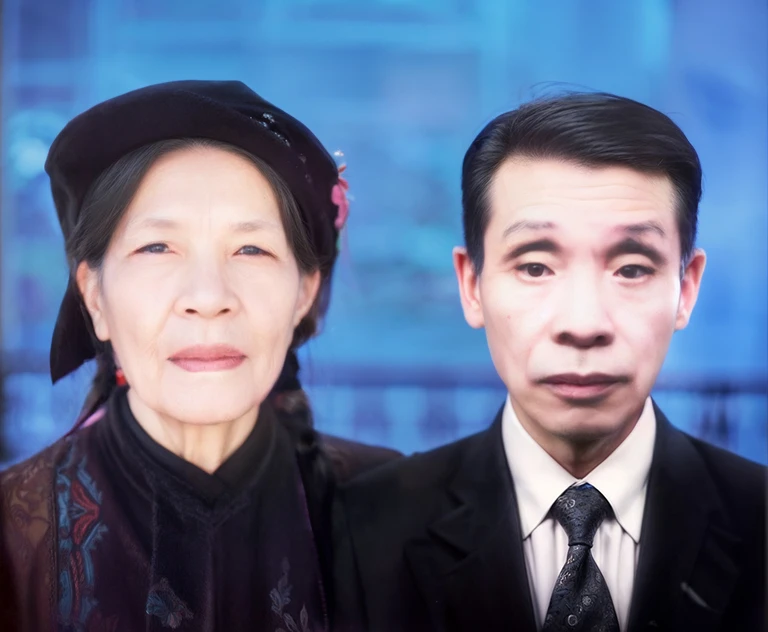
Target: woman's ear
<point>310,285</point>
<point>88,283</point>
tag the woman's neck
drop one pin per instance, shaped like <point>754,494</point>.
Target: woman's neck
<point>205,445</point>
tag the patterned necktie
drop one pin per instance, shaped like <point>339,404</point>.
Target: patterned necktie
<point>580,600</point>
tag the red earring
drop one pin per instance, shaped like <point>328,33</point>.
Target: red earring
<point>120,377</point>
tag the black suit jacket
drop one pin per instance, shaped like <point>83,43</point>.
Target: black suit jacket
<point>435,542</point>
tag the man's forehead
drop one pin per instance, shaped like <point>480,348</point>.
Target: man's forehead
<point>542,180</point>
<point>540,194</point>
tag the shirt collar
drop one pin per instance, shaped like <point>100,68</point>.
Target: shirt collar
<point>539,480</point>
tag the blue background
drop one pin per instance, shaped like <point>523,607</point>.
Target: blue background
<point>402,87</point>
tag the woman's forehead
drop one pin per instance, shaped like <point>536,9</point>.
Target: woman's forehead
<point>204,183</point>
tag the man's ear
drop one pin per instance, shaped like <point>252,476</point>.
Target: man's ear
<point>689,288</point>
<point>469,288</point>
<point>89,286</point>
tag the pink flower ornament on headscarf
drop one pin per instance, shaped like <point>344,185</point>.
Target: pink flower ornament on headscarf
<point>339,198</point>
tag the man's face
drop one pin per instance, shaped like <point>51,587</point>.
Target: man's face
<point>580,292</point>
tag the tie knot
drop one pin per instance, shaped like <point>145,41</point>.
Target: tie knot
<point>580,511</point>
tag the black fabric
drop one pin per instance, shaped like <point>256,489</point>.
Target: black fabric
<point>436,542</point>
<point>243,466</point>
<point>581,601</point>
<point>226,111</point>
<point>206,550</point>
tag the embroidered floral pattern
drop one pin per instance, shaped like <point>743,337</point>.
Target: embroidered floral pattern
<point>78,504</point>
<point>163,603</point>
<point>281,598</point>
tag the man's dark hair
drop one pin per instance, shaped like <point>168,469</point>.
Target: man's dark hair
<point>588,129</point>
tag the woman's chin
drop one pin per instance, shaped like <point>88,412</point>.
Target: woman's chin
<point>207,413</point>
<point>212,403</point>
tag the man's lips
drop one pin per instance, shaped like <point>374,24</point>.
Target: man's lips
<point>574,386</point>
<point>589,379</point>
<point>208,358</point>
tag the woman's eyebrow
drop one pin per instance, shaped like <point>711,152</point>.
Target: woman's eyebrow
<point>152,222</point>
<point>250,226</point>
<point>253,226</point>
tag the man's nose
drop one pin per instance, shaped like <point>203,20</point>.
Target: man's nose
<point>582,317</point>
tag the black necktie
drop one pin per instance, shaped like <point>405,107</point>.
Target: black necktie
<point>580,600</point>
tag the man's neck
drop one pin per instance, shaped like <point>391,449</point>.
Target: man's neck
<point>578,455</point>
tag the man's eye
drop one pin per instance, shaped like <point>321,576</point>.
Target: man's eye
<point>634,271</point>
<point>534,270</point>
<point>154,249</point>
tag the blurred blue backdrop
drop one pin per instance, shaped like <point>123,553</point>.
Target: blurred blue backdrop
<point>402,87</point>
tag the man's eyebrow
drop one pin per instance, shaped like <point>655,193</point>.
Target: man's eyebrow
<point>526,225</point>
<point>631,246</point>
<point>538,245</point>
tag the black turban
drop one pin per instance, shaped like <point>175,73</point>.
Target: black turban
<point>225,111</point>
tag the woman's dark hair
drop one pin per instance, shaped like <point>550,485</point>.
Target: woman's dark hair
<point>103,208</point>
<point>593,130</point>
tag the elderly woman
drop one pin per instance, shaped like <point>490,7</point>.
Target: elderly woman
<point>200,224</point>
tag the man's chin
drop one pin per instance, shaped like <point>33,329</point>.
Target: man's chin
<point>588,425</point>
<point>586,422</point>
<point>585,434</point>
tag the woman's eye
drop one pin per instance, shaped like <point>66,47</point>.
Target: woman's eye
<point>154,249</point>
<point>534,270</point>
<point>634,271</point>
<point>251,250</point>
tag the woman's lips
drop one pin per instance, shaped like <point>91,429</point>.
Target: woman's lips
<point>208,358</point>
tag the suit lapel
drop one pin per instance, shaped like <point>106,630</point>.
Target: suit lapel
<point>471,566</point>
<point>686,571</point>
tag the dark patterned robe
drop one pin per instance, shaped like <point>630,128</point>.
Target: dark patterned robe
<point>106,530</point>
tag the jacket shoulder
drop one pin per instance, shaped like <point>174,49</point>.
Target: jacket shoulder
<point>414,486</point>
<point>26,497</point>
<point>350,458</point>
<point>27,481</point>
<point>419,471</point>
<point>380,512</point>
<point>741,482</point>
<point>27,539</point>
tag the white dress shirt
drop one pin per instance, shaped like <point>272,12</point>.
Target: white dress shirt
<point>539,480</point>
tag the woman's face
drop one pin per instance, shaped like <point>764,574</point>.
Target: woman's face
<point>199,292</point>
